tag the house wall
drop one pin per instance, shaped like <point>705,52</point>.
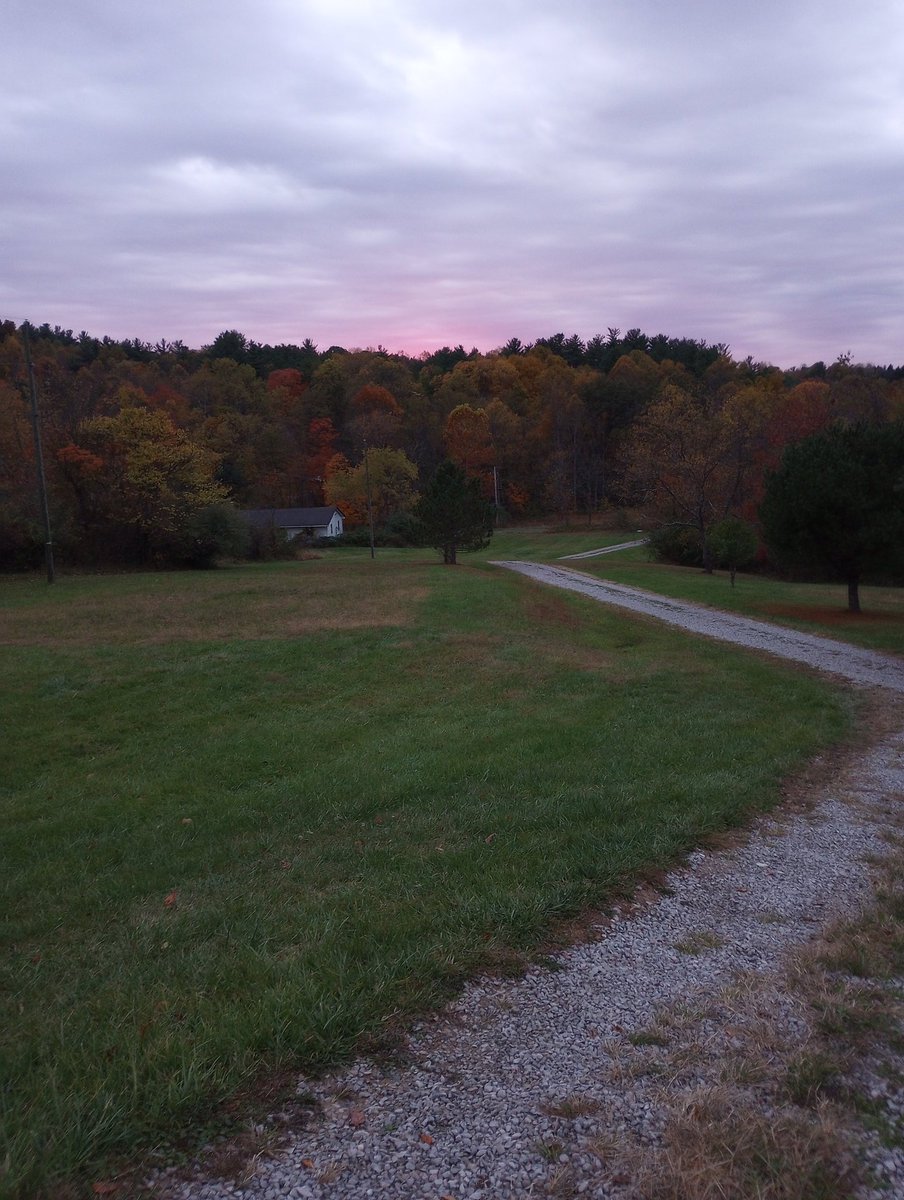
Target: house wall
<point>333,529</point>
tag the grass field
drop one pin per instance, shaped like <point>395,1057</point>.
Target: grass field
<point>254,817</point>
<point>815,607</point>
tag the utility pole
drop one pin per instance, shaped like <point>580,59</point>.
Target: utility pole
<point>370,507</point>
<point>39,457</point>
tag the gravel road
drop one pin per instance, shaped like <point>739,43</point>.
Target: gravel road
<point>554,1084</point>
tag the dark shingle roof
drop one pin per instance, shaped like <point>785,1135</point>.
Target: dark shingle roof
<point>290,518</point>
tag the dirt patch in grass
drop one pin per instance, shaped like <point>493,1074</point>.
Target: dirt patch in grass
<point>829,616</point>
<point>550,610</point>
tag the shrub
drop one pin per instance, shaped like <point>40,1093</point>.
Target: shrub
<point>401,529</point>
<point>212,532</point>
<point>267,542</point>
<point>679,544</point>
<point>351,537</point>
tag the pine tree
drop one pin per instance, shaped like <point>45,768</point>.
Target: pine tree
<point>452,514</point>
<point>836,503</point>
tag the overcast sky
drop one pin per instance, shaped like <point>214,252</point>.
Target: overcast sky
<point>417,173</point>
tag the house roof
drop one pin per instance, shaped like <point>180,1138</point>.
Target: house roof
<point>290,518</point>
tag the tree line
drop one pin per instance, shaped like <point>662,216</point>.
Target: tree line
<point>149,448</point>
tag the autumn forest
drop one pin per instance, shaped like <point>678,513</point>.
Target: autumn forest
<point>149,450</point>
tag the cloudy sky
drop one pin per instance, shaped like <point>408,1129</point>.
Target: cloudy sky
<point>414,173</point>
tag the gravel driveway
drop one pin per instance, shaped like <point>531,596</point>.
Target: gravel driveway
<point>560,1082</point>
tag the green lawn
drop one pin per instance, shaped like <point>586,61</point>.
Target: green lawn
<point>251,816</point>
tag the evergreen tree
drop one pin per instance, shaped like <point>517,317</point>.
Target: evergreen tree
<point>836,503</point>
<point>452,514</point>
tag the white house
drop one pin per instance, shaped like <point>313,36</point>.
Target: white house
<point>312,522</point>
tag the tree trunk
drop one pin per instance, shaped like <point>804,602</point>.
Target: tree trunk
<point>707,553</point>
<point>853,593</point>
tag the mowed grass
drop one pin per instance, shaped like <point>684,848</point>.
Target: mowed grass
<point>252,818</point>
